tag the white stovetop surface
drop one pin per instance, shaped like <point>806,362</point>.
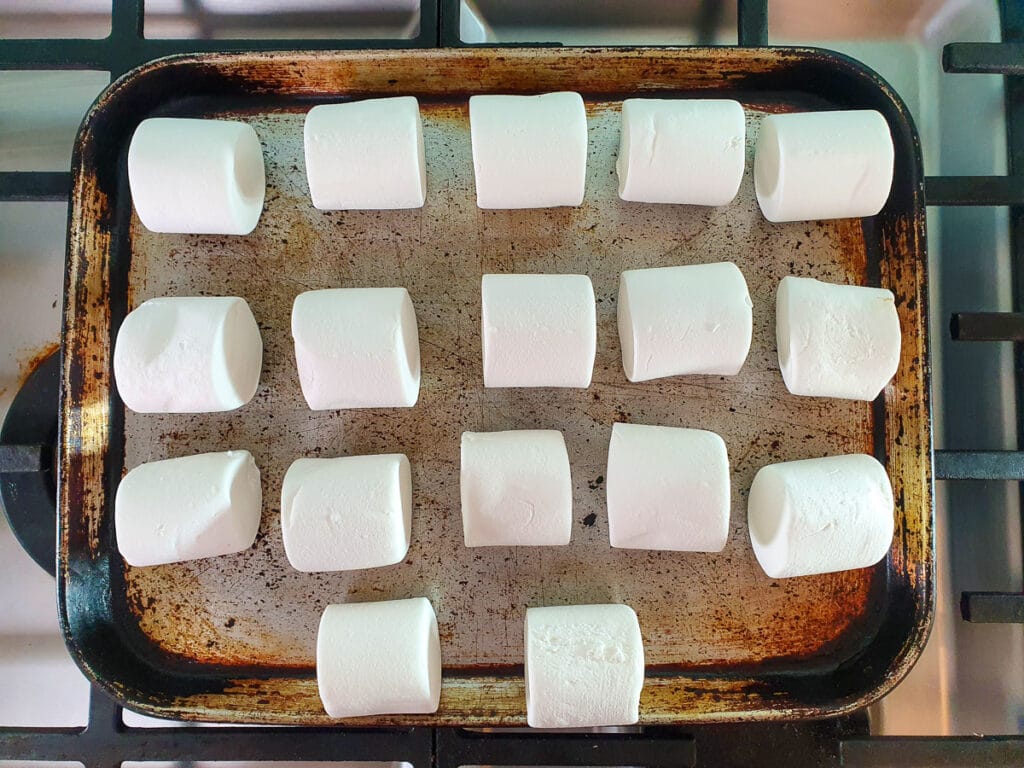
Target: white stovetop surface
<point>960,120</point>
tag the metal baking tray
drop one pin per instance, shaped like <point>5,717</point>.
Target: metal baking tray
<point>233,638</point>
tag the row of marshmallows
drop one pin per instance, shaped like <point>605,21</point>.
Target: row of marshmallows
<point>668,488</point>
<point>359,347</point>
<point>207,176</point>
<point>583,664</point>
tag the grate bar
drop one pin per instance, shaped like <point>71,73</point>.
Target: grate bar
<point>984,58</point>
<point>54,54</point>
<point>257,744</point>
<point>55,744</point>
<point>24,458</point>
<point>992,608</point>
<point>979,465</point>
<point>752,23</point>
<point>974,190</point>
<point>932,752</point>
<point>34,185</point>
<point>654,748</point>
<point>987,326</point>
<point>221,744</point>
<point>126,19</point>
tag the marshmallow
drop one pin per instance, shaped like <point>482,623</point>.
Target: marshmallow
<point>366,154</point>
<point>529,151</point>
<point>584,666</point>
<point>684,320</point>
<point>188,508</point>
<point>202,177</point>
<point>347,513</point>
<point>820,515</point>
<point>823,165</point>
<point>193,354</point>
<point>681,151</point>
<point>538,330</point>
<point>668,488</point>
<point>357,348</point>
<point>379,658</point>
<point>836,340</point>
<point>516,488</point>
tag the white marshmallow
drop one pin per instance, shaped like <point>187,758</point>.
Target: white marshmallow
<point>366,154</point>
<point>202,177</point>
<point>681,151</point>
<point>696,319</point>
<point>538,330</point>
<point>820,515</point>
<point>191,354</point>
<point>379,658</point>
<point>584,666</point>
<point>357,348</point>
<point>346,513</point>
<point>516,488</point>
<point>823,165</point>
<point>836,340</point>
<point>188,508</point>
<point>529,151</point>
<point>668,488</point>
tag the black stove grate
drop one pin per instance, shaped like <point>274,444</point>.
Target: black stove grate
<point>1006,58</point>
<point>105,742</point>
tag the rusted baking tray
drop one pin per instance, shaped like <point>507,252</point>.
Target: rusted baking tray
<point>233,638</point>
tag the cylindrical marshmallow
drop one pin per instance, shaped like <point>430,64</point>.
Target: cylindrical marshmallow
<point>538,330</point>
<point>823,165</point>
<point>357,348</point>
<point>346,513</point>
<point>366,154</point>
<point>696,319</point>
<point>820,515</point>
<point>379,658</point>
<point>668,488</point>
<point>584,666</point>
<point>516,488</point>
<point>188,508</point>
<point>202,177</point>
<point>191,354</point>
<point>836,340</point>
<point>681,151</point>
<point>529,151</point>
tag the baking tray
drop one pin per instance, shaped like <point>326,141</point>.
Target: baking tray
<point>233,638</point>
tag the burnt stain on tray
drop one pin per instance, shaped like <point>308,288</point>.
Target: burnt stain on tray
<point>233,638</point>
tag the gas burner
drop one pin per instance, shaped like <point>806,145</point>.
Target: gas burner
<point>28,476</point>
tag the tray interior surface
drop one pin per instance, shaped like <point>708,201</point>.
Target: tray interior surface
<point>695,609</point>
<point>704,617</point>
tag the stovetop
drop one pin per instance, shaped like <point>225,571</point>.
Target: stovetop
<point>970,679</point>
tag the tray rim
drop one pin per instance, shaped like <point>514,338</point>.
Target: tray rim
<point>91,443</point>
